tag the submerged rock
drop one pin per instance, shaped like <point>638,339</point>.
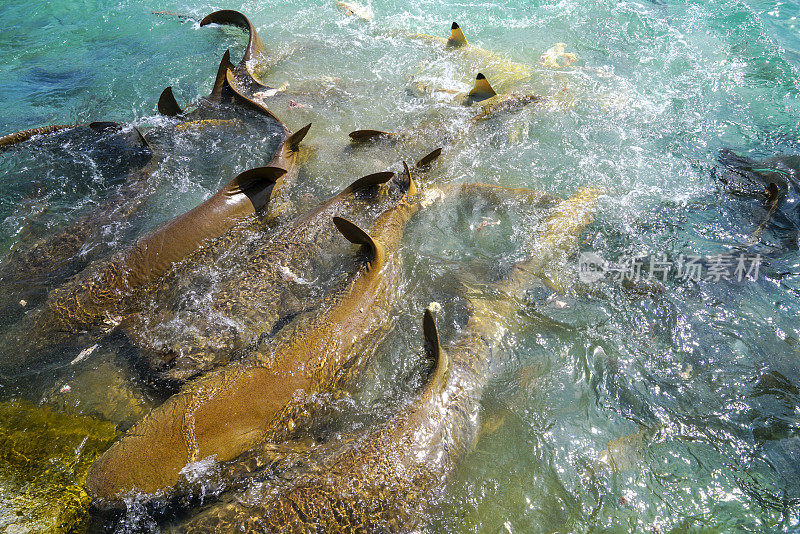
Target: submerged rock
<point>44,456</point>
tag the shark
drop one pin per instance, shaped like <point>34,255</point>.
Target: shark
<point>100,291</point>
<point>774,181</point>
<point>482,98</point>
<point>384,480</point>
<point>270,395</point>
<point>266,290</point>
<point>504,71</point>
<point>28,272</point>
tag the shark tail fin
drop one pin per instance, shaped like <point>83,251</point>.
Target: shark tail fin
<point>362,136</point>
<point>222,74</point>
<point>357,236</point>
<point>481,90</point>
<point>167,104</point>
<point>246,101</point>
<point>234,18</point>
<point>425,162</point>
<point>456,36</point>
<point>365,182</point>
<point>293,141</point>
<point>433,349</point>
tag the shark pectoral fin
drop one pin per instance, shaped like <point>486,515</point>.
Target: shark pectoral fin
<point>433,349</point>
<point>234,18</point>
<point>293,141</point>
<point>361,136</point>
<point>481,90</point>
<point>425,162</point>
<point>357,236</point>
<point>365,182</point>
<point>167,104</point>
<point>456,36</point>
<point>222,75</point>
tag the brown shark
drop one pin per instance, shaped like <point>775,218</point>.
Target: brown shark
<point>225,90</point>
<point>99,292</point>
<point>383,482</point>
<point>482,97</point>
<point>27,273</point>
<point>265,397</point>
<point>503,70</point>
<point>255,296</point>
<point>52,260</point>
<point>265,290</point>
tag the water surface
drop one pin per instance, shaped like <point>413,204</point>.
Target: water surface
<point>611,409</point>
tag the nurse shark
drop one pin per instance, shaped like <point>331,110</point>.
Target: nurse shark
<point>267,396</point>
<point>384,481</point>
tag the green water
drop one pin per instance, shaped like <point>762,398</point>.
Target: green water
<point>658,89</point>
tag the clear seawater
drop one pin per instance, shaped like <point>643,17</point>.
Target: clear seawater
<point>679,382</point>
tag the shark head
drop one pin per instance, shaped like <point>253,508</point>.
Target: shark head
<point>745,177</point>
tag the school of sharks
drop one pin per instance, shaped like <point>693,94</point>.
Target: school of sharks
<point>248,395</point>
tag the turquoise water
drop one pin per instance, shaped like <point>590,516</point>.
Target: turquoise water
<point>681,379</point>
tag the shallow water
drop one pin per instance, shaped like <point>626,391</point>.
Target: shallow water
<point>680,381</point>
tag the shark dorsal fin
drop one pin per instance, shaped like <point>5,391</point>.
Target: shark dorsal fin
<point>221,80</point>
<point>357,236</point>
<point>361,136</point>
<point>293,141</point>
<point>255,184</point>
<point>228,16</point>
<point>253,177</point>
<point>167,104</point>
<point>481,90</point>
<point>140,140</point>
<point>403,183</point>
<point>431,333</point>
<point>430,158</point>
<point>370,180</point>
<point>134,138</point>
<point>433,349</point>
<point>456,36</point>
